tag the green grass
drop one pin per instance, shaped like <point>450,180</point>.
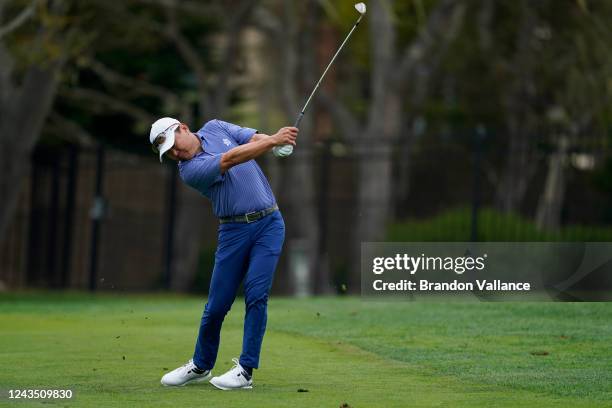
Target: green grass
<point>367,354</point>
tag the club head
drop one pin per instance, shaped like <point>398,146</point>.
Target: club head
<point>361,8</point>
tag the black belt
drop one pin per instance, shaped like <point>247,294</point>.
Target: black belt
<point>249,217</point>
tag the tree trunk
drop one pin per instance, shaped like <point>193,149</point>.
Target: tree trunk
<point>520,162</point>
<point>24,108</point>
<point>517,171</point>
<point>25,112</point>
<point>551,201</point>
<point>374,196</point>
<point>390,76</point>
<point>303,221</point>
<point>298,183</point>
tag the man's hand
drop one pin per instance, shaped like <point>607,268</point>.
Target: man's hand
<point>285,136</point>
<point>258,145</point>
<point>285,148</point>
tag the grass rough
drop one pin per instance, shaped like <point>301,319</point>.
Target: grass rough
<point>111,350</point>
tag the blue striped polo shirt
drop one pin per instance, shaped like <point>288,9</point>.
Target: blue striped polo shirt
<point>241,189</point>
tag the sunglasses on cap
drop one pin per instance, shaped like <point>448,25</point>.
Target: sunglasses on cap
<point>161,138</point>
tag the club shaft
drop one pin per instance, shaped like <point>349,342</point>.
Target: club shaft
<point>301,115</point>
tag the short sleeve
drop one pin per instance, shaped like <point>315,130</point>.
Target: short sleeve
<point>241,135</point>
<point>202,171</point>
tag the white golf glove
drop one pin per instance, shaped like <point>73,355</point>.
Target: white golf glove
<point>282,151</point>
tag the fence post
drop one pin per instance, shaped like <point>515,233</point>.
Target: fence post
<point>52,214</point>
<point>32,255</point>
<point>69,214</point>
<point>479,137</point>
<point>320,266</point>
<point>96,213</point>
<point>169,232</point>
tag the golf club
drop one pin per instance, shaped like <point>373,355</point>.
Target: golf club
<point>286,150</point>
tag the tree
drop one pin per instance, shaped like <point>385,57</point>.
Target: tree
<point>532,73</point>
<point>34,47</point>
<point>297,71</point>
<point>394,73</point>
<point>578,118</point>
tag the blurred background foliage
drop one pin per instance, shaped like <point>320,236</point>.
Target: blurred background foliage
<point>442,120</point>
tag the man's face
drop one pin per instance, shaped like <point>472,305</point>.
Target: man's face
<point>179,142</point>
<point>181,148</point>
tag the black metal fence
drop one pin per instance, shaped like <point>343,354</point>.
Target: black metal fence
<point>88,218</point>
<point>102,219</point>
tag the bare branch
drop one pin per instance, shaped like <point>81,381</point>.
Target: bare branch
<point>99,100</point>
<point>441,28</point>
<point>20,19</point>
<point>284,37</point>
<point>185,48</point>
<point>267,22</point>
<point>191,7</point>
<point>142,87</point>
<point>191,58</point>
<point>233,32</point>
<point>70,130</point>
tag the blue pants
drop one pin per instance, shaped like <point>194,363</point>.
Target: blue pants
<point>249,252</point>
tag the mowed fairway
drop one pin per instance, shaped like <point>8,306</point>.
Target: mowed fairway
<point>111,351</point>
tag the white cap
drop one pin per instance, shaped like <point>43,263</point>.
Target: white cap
<point>165,126</point>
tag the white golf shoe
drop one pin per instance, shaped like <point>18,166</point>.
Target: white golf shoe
<point>185,374</point>
<point>236,378</point>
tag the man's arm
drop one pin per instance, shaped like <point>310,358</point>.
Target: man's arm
<point>257,137</point>
<point>257,146</point>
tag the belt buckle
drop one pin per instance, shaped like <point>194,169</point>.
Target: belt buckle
<point>248,220</point>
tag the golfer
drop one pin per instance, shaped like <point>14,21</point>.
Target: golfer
<point>218,161</point>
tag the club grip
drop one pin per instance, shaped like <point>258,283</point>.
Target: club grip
<point>283,151</point>
<point>286,150</point>
<point>299,119</point>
